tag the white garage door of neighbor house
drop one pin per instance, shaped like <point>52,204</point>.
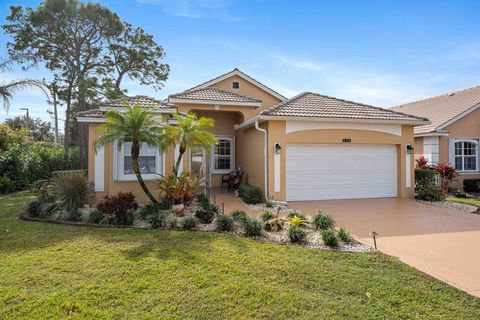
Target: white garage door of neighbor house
<point>323,172</point>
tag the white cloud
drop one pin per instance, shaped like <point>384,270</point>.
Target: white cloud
<point>299,64</point>
<point>197,9</point>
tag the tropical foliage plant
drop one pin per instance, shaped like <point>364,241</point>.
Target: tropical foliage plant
<point>447,174</point>
<point>72,189</point>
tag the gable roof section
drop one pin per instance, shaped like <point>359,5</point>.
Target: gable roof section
<point>213,95</point>
<point>97,114</point>
<point>442,110</point>
<point>313,105</point>
<point>237,72</point>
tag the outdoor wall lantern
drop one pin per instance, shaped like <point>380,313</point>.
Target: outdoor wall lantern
<point>278,148</point>
<point>409,149</point>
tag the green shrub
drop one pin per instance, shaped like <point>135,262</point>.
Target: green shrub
<point>296,213</point>
<point>431,193</point>
<point>251,194</point>
<point>165,203</point>
<point>424,177</point>
<point>252,227</point>
<point>202,199</point>
<point>205,216</point>
<point>119,208</point>
<point>148,210</point>
<point>296,222</point>
<point>323,221</point>
<point>329,238</point>
<point>471,185</point>
<point>172,222</point>
<point>66,215</point>
<point>296,234</point>
<point>343,235</point>
<point>460,194</point>
<point>266,215</point>
<point>6,185</point>
<point>72,189</point>
<point>157,220</point>
<point>47,209</point>
<point>238,215</point>
<point>224,223</point>
<point>269,203</point>
<point>26,163</point>
<point>32,208</point>
<point>189,223</point>
<point>95,216</point>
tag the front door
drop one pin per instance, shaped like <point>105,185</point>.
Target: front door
<point>198,163</point>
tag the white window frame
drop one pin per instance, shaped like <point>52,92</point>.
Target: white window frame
<point>118,165</point>
<point>462,156</point>
<point>232,155</point>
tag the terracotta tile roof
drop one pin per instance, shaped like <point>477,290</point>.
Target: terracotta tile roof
<point>92,113</point>
<point>213,94</point>
<point>314,105</point>
<point>142,101</point>
<point>441,109</point>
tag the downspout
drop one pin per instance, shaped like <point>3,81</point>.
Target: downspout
<point>265,160</point>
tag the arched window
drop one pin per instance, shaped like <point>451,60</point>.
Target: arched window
<point>466,155</point>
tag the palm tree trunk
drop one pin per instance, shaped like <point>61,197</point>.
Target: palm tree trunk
<point>135,152</point>
<point>181,151</point>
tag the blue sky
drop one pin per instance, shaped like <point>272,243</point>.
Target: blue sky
<point>377,52</point>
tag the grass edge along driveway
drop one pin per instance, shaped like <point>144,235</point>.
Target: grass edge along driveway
<point>56,272</point>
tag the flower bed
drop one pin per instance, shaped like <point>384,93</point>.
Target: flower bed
<point>201,215</point>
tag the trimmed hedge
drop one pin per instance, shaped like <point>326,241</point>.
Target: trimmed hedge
<point>424,178</point>
<point>471,185</point>
<point>251,194</point>
<point>22,165</point>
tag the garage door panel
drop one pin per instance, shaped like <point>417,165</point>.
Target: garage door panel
<point>317,172</point>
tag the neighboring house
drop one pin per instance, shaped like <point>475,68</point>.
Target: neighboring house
<point>454,132</point>
<point>309,147</point>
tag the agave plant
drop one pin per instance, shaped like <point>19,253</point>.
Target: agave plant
<point>72,189</point>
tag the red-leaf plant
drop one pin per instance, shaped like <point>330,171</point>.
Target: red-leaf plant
<point>422,163</point>
<point>447,174</point>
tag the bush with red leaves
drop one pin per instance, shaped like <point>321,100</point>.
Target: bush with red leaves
<point>422,163</point>
<point>119,207</point>
<point>447,174</point>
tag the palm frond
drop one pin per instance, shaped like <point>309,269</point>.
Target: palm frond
<point>7,90</point>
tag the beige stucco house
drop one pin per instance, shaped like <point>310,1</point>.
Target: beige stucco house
<point>454,132</point>
<point>309,147</point>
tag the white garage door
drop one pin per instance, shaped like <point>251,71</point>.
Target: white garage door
<point>322,172</point>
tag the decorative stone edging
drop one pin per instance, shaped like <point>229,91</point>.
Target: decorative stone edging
<point>453,205</point>
<point>279,237</point>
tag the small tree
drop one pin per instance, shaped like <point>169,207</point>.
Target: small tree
<point>135,125</point>
<point>189,132</point>
<point>447,174</point>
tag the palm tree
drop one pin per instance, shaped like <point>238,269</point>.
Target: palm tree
<point>8,89</point>
<point>135,125</point>
<point>189,132</point>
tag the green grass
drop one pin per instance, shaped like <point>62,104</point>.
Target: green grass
<point>470,201</point>
<point>56,272</point>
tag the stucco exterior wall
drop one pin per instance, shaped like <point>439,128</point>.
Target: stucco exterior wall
<point>466,128</point>
<point>277,134</point>
<point>250,156</point>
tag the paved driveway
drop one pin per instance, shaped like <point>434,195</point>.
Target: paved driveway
<point>442,242</point>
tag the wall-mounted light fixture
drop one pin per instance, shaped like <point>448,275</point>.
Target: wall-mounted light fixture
<point>277,148</point>
<point>410,149</point>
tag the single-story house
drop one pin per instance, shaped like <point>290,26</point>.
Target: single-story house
<point>454,132</point>
<point>309,147</point>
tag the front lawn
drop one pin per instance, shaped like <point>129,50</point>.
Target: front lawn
<point>470,201</point>
<point>52,271</point>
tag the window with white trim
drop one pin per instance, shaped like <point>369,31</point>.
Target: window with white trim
<point>466,155</point>
<point>223,155</point>
<point>149,162</point>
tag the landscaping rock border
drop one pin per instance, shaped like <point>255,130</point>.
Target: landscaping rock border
<point>453,205</point>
